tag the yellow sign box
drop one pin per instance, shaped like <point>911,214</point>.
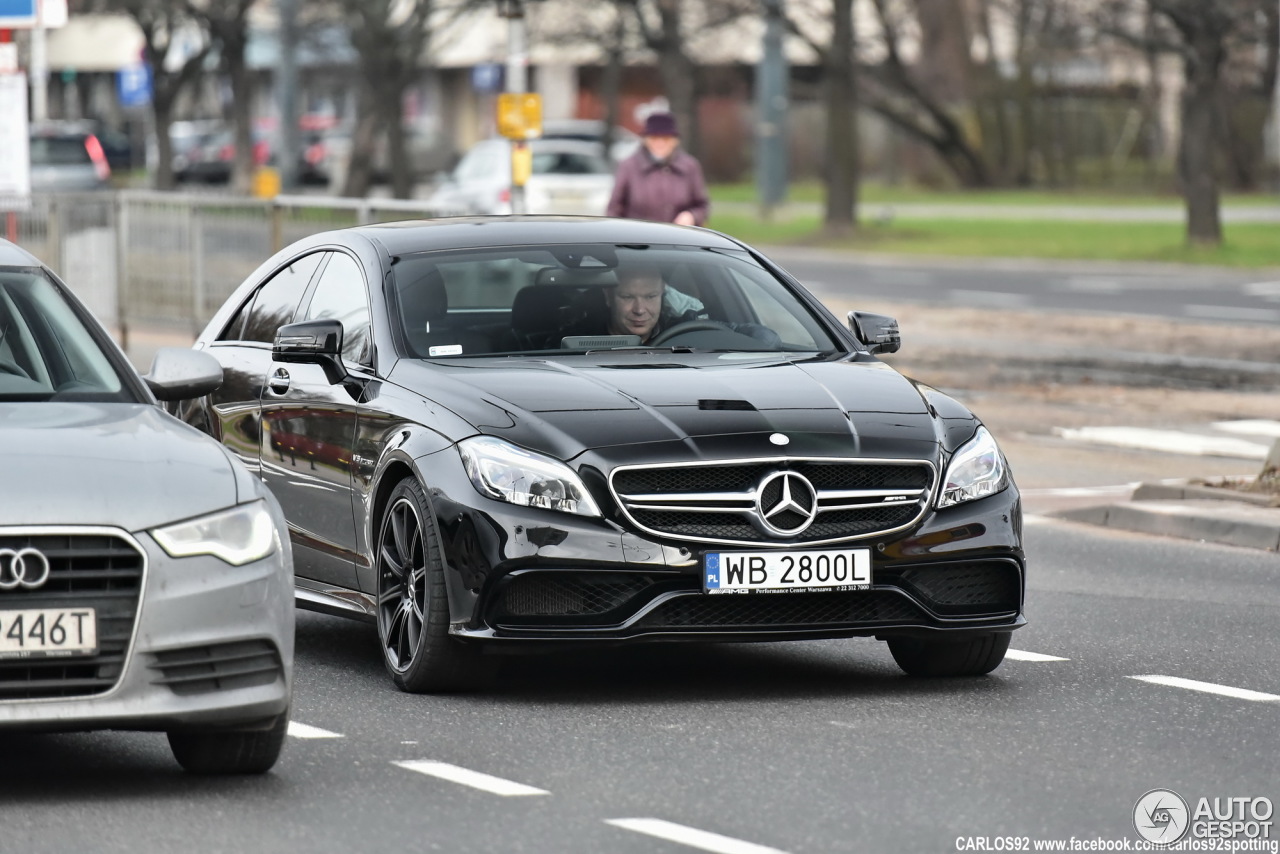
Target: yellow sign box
<point>520,115</point>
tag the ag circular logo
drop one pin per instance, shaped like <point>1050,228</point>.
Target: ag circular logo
<point>1161,815</point>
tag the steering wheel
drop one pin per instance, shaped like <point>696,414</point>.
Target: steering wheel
<point>688,326</point>
<point>13,368</point>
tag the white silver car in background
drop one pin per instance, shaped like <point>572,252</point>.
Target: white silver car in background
<point>146,578</point>
<point>569,177</point>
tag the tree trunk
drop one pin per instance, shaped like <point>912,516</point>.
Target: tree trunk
<point>1197,152</point>
<point>679,76</point>
<point>392,120</point>
<point>359,169</point>
<point>162,112</point>
<point>233,47</point>
<point>841,167</point>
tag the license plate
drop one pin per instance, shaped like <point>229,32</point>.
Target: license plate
<point>787,572</point>
<point>48,632</point>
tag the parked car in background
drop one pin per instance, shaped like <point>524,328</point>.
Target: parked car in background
<point>211,157</point>
<point>66,159</point>
<point>472,456</point>
<point>623,145</point>
<point>145,576</point>
<point>569,177</point>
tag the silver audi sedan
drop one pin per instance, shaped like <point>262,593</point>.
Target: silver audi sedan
<point>146,580</point>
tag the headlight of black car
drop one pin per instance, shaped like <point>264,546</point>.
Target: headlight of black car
<point>508,473</point>
<point>976,470</point>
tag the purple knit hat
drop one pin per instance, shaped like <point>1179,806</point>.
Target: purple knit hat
<point>660,124</point>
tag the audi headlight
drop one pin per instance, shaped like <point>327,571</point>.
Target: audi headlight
<point>240,535</point>
<point>503,471</point>
<point>976,470</point>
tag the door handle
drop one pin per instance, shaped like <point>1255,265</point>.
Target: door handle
<point>279,382</point>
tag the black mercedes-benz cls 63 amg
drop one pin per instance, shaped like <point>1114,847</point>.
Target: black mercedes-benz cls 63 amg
<point>491,433</point>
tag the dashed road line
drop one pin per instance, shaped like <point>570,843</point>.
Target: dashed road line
<point>1210,688</point>
<point>466,777</point>
<point>1023,655</point>
<point>298,730</point>
<point>1168,441</point>
<point>692,837</point>
<point>1250,427</point>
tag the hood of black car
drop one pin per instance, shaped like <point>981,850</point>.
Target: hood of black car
<point>700,406</point>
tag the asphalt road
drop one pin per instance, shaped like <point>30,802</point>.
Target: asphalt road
<point>1173,291</point>
<point>811,747</point>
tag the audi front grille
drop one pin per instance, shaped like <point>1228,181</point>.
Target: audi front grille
<point>96,569</point>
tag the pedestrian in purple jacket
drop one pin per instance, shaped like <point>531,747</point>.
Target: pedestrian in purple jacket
<point>660,182</point>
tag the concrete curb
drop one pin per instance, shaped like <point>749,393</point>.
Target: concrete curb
<point>1212,520</point>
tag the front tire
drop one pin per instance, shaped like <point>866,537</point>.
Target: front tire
<point>975,656</point>
<point>413,603</point>
<point>229,751</point>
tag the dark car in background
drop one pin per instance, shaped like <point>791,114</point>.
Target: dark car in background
<point>470,456</point>
<point>145,582</point>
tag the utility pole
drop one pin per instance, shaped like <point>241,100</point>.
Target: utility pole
<point>519,111</point>
<point>771,113</point>
<point>287,162</point>
<point>39,70</point>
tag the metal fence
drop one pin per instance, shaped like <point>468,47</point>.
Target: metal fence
<point>169,260</point>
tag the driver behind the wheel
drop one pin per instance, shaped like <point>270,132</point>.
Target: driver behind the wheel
<point>635,304</point>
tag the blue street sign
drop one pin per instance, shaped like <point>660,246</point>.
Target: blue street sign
<point>486,78</point>
<point>17,13</point>
<point>133,85</point>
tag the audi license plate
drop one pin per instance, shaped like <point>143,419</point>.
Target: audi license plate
<point>48,632</point>
<point>787,572</point>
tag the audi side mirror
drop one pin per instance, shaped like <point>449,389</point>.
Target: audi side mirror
<point>179,373</point>
<point>877,332</point>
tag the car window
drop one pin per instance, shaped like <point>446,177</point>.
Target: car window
<point>59,151</point>
<point>569,163</point>
<point>340,295</point>
<point>479,163</point>
<point>273,304</point>
<point>564,299</point>
<point>46,351</point>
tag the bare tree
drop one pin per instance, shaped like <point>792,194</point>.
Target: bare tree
<point>168,31</point>
<point>391,38</point>
<point>840,215</point>
<point>227,22</point>
<point>1204,36</point>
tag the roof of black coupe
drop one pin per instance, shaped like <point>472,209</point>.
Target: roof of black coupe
<point>475,232</point>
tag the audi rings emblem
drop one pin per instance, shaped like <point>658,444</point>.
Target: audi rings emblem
<point>788,509</point>
<point>23,568</point>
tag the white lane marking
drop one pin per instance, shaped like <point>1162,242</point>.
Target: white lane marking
<point>1033,519</point>
<point>1209,688</point>
<point>998,299</point>
<point>1023,655</point>
<point>1083,491</point>
<point>1266,290</point>
<point>298,730</point>
<point>1250,427</point>
<point>1168,441</point>
<point>465,777</point>
<point>703,839</point>
<point>1230,312</point>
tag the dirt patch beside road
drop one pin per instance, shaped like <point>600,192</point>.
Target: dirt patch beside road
<point>1026,373</point>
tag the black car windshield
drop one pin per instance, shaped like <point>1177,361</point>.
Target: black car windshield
<point>46,351</point>
<point>566,299</point>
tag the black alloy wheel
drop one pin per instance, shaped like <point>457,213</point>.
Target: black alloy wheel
<point>973,656</point>
<point>413,606</point>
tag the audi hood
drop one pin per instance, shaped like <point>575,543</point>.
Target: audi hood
<point>699,406</point>
<point>124,465</point>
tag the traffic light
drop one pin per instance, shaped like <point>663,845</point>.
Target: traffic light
<point>520,115</point>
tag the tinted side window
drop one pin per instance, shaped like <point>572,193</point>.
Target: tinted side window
<point>340,295</point>
<point>273,304</point>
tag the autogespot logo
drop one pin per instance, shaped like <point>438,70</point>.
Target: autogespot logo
<point>1161,816</point>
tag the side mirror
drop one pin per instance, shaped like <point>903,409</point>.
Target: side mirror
<point>178,373</point>
<point>315,342</point>
<point>877,332</point>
